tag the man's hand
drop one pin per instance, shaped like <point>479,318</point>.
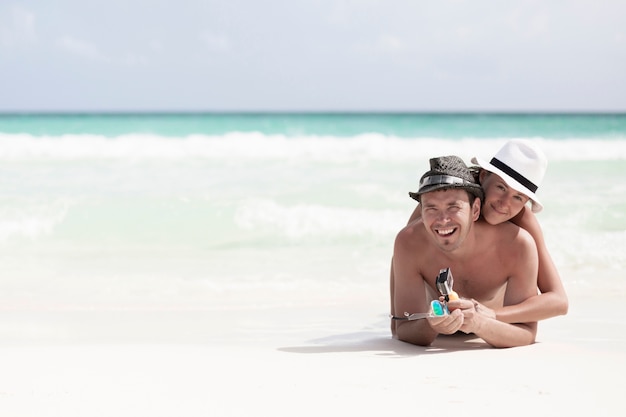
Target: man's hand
<point>470,313</point>
<point>448,324</point>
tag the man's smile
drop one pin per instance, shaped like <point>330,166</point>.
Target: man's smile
<point>448,231</point>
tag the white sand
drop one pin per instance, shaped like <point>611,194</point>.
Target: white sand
<point>316,360</point>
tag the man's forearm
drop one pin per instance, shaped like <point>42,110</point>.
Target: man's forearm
<point>417,332</point>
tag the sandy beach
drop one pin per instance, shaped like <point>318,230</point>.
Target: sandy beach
<point>332,358</point>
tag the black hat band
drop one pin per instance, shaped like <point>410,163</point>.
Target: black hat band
<point>514,174</point>
<point>440,180</point>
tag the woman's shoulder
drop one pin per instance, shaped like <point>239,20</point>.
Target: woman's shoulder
<point>506,233</point>
<point>413,233</point>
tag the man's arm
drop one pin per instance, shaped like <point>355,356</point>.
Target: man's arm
<point>417,214</point>
<point>409,290</point>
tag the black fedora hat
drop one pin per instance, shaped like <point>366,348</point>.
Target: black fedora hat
<point>447,172</point>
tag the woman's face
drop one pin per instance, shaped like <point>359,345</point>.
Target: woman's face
<point>502,202</point>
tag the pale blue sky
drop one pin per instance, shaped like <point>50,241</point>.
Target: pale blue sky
<point>345,55</point>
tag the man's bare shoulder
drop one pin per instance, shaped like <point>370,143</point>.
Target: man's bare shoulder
<point>412,237</point>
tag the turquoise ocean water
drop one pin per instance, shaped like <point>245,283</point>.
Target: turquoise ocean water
<point>214,210</point>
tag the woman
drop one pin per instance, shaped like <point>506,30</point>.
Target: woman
<point>510,180</point>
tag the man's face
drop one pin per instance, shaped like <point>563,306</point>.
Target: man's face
<point>448,216</point>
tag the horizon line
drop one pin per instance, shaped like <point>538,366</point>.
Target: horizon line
<point>304,112</point>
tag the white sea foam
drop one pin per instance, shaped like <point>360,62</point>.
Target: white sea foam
<point>153,215</point>
<point>260,146</point>
<point>30,220</point>
<point>313,220</point>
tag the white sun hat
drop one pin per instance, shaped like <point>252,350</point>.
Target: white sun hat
<point>522,165</point>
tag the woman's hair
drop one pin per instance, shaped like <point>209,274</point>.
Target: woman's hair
<point>475,171</point>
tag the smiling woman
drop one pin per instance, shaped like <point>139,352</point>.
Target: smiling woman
<point>519,165</point>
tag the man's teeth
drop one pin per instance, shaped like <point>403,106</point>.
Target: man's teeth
<point>445,231</point>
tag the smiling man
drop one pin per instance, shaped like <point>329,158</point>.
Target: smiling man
<point>493,265</point>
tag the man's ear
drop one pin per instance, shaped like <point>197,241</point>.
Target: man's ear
<point>476,209</point>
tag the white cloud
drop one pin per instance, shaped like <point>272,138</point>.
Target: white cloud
<point>344,11</point>
<point>530,25</point>
<point>91,52</point>
<point>390,43</point>
<point>495,54</point>
<point>134,60</point>
<point>155,46</point>
<point>17,28</point>
<point>215,42</point>
<point>383,45</point>
<point>81,48</point>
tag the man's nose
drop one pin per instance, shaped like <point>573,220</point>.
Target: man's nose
<point>443,217</point>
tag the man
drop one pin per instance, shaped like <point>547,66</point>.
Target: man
<point>492,265</point>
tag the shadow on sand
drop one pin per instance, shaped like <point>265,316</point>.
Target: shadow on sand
<point>381,343</point>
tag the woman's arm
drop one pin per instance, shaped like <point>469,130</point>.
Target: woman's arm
<point>417,214</point>
<point>552,300</point>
